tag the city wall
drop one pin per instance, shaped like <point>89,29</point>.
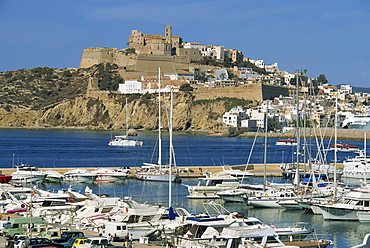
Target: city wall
<point>251,91</point>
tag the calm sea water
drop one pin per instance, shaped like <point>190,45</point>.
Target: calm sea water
<point>77,148</point>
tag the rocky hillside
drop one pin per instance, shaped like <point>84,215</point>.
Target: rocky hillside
<point>45,97</point>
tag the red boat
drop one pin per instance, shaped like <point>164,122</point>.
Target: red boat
<point>344,148</point>
<point>5,179</point>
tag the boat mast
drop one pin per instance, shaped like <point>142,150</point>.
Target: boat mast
<point>126,118</point>
<point>296,179</point>
<point>159,120</point>
<point>171,151</point>
<point>265,153</point>
<point>335,145</point>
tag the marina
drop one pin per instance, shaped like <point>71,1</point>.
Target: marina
<point>72,149</point>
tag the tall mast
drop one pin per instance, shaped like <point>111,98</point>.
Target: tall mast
<point>265,153</point>
<point>296,179</point>
<point>171,152</point>
<point>159,120</point>
<point>335,145</point>
<point>126,118</point>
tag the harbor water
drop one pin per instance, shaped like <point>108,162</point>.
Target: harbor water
<point>81,148</point>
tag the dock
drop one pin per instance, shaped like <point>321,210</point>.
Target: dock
<point>184,171</point>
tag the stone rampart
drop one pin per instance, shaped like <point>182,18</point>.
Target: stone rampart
<point>252,91</point>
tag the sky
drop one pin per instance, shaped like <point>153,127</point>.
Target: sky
<point>329,37</point>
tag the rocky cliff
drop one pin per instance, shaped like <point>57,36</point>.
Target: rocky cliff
<point>45,97</point>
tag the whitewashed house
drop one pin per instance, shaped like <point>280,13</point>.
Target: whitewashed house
<point>131,87</point>
<point>234,117</point>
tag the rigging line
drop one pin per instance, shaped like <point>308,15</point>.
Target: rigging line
<point>250,154</point>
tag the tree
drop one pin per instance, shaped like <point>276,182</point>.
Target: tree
<point>322,79</point>
<point>186,87</point>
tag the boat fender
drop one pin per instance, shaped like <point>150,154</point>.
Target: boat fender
<point>266,195</point>
<point>126,210</point>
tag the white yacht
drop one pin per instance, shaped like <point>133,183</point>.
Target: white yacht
<point>27,174</point>
<point>209,186</point>
<point>80,175</point>
<point>237,173</point>
<point>357,167</point>
<point>286,142</point>
<point>109,175</point>
<point>53,176</point>
<point>355,202</point>
<point>121,140</point>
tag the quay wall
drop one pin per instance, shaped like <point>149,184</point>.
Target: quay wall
<point>188,171</point>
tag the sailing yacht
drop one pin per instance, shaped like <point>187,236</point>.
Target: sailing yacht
<point>159,172</point>
<point>122,140</point>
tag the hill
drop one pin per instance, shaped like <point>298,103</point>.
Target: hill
<point>56,98</point>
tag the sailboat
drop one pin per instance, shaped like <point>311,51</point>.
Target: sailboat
<point>159,172</point>
<point>122,140</point>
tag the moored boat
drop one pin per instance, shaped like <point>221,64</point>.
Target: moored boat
<point>80,175</point>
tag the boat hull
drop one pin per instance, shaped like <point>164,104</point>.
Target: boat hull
<point>80,178</point>
<point>28,178</point>
<point>156,177</point>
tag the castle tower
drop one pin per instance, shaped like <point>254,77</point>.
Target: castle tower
<point>168,34</point>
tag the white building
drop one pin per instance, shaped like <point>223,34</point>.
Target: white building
<point>216,52</point>
<point>258,62</point>
<point>234,117</point>
<point>222,74</point>
<point>131,87</point>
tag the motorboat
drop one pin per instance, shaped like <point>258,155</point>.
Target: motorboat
<point>349,207</point>
<point>286,142</point>
<point>53,176</point>
<point>154,172</point>
<point>357,167</point>
<point>5,178</point>
<point>344,148</point>
<point>208,186</point>
<point>109,175</point>
<point>237,173</point>
<point>80,175</point>
<point>27,174</point>
<point>122,140</point>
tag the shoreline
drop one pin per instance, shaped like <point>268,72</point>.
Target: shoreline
<point>320,133</point>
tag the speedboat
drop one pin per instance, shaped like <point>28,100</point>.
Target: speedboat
<point>286,142</point>
<point>237,173</point>
<point>109,175</point>
<point>209,186</point>
<point>344,148</point>
<point>80,175</point>
<point>27,174</point>
<point>53,176</point>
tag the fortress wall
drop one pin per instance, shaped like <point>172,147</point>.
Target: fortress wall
<point>271,91</point>
<point>257,92</point>
<point>97,55</point>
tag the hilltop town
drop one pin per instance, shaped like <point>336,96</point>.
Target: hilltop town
<point>215,71</point>
<point>216,89</point>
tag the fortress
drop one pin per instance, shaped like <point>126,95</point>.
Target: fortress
<point>147,52</point>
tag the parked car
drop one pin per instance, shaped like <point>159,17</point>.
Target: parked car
<point>93,242</point>
<point>74,241</point>
<point>67,235</point>
<point>40,242</point>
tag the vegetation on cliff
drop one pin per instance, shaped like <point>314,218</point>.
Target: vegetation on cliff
<point>46,97</point>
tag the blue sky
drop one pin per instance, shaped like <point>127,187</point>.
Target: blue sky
<point>325,37</point>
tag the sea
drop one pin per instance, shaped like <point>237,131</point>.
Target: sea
<point>50,148</point>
